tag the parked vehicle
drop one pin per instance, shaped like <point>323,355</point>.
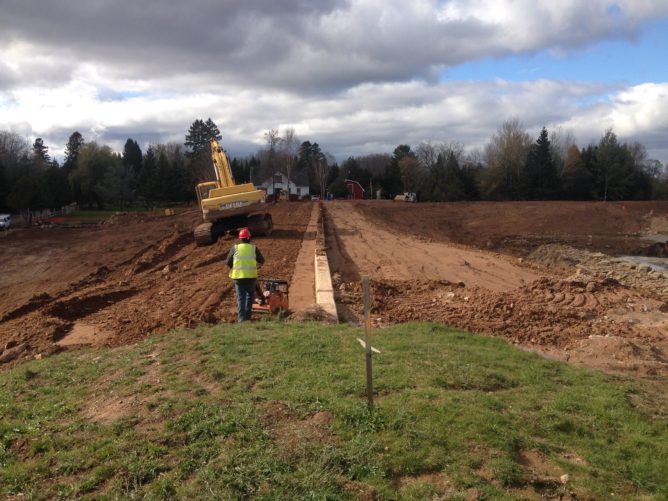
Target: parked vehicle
<point>406,197</point>
<point>5,221</point>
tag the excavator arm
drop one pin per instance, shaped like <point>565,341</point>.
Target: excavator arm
<point>221,165</point>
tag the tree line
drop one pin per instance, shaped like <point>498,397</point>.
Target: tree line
<point>512,166</point>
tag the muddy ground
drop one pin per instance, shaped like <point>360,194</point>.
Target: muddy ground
<point>543,275</point>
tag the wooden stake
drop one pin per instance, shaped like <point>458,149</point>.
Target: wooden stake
<point>367,324</point>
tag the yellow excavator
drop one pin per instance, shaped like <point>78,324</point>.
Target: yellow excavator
<point>228,206</point>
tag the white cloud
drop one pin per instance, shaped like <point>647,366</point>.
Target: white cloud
<point>356,122</point>
<point>355,76</point>
<point>312,46</point>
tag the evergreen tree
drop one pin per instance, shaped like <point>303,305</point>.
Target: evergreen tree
<point>539,179</point>
<point>55,188</point>
<point>253,165</point>
<point>392,182</point>
<point>237,169</point>
<point>334,175</point>
<point>198,148</point>
<point>132,156</point>
<point>453,185</point>
<point>471,171</point>
<point>241,170</point>
<point>310,158</point>
<point>146,182</point>
<point>199,135</point>
<point>164,178</point>
<point>24,194</point>
<point>618,174</point>
<point>40,152</point>
<point>352,169</point>
<point>304,156</point>
<point>74,144</point>
<point>4,187</point>
<point>577,180</point>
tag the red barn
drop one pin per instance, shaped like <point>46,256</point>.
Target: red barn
<point>355,189</point>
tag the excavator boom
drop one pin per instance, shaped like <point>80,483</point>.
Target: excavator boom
<point>221,165</point>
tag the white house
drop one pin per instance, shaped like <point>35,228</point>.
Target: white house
<point>279,182</point>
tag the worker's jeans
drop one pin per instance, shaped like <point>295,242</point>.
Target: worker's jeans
<point>245,288</point>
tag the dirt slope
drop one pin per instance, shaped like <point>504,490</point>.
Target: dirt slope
<point>520,227</point>
<point>121,281</point>
<point>572,304</point>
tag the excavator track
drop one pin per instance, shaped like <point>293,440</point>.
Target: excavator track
<point>260,225</point>
<point>204,234</point>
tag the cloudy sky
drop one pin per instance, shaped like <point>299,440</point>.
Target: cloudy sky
<point>356,76</point>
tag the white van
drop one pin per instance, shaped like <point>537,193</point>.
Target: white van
<point>5,221</point>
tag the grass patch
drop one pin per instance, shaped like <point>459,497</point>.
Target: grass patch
<point>84,216</point>
<point>277,411</point>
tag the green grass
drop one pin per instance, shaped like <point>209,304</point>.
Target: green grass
<point>278,411</point>
<point>98,214</point>
<point>91,215</point>
<point>95,216</point>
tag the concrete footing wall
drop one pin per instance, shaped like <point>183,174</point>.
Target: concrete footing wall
<point>324,291</point>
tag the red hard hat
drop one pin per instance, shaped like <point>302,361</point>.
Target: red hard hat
<point>244,233</point>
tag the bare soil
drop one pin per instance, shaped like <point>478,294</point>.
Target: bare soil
<point>123,280</point>
<point>543,275</point>
<point>547,276</point>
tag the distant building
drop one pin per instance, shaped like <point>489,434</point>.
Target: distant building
<point>355,190</point>
<point>279,182</point>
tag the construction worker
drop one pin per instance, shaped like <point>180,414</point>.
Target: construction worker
<point>242,259</point>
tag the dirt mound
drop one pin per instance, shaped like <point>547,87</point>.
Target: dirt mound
<point>519,227</point>
<point>548,315</point>
<point>126,218</point>
<point>629,273</point>
<point>314,313</point>
<point>658,249</point>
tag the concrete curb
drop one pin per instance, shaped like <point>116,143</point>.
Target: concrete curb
<point>324,291</point>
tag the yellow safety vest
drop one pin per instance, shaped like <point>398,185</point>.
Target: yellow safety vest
<point>244,264</point>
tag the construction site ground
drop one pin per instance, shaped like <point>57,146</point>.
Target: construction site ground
<point>547,276</point>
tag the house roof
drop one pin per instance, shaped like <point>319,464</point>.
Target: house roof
<point>353,181</point>
<point>295,178</point>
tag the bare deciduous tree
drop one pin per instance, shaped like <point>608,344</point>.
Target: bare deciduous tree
<point>560,142</point>
<point>289,146</point>
<point>506,155</point>
<point>410,173</point>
